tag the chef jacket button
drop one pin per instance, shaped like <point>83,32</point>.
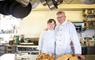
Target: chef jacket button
<point>59,40</point>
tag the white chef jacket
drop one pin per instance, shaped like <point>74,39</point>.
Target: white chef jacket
<point>46,41</point>
<point>65,33</point>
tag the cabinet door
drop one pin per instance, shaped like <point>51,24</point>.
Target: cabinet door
<point>2,50</point>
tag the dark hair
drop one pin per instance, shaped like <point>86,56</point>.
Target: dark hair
<point>51,20</point>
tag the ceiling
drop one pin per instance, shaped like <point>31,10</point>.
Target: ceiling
<point>68,5</point>
<point>71,1</point>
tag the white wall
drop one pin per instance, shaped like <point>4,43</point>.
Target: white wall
<point>36,21</point>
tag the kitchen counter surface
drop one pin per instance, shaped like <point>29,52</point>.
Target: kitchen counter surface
<point>7,57</point>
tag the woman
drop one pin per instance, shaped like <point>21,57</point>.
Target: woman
<point>47,38</point>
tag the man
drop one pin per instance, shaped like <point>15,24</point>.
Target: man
<point>65,34</point>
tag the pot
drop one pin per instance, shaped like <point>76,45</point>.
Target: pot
<point>18,11</point>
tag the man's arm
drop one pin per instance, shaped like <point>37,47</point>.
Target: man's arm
<point>75,40</point>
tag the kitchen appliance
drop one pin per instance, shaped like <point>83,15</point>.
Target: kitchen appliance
<point>26,52</point>
<point>14,8</point>
<point>52,4</point>
<point>79,26</point>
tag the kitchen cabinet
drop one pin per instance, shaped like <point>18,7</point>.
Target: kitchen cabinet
<point>91,50</point>
<point>2,49</point>
<point>88,50</point>
<point>90,57</point>
<point>10,49</point>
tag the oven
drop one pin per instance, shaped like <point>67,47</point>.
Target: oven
<point>25,52</point>
<point>79,26</point>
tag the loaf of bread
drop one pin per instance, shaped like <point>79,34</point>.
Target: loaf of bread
<point>44,56</point>
<point>67,57</point>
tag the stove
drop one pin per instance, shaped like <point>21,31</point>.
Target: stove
<point>27,52</point>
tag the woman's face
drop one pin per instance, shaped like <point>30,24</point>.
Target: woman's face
<point>51,26</point>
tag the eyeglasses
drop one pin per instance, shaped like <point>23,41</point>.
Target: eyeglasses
<point>61,17</point>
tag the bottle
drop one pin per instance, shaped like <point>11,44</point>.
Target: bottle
<point>16,38</point>
<point>94,37</point>
<point>22,39</point>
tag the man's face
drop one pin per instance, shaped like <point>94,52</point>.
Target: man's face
<point>61,18</point>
